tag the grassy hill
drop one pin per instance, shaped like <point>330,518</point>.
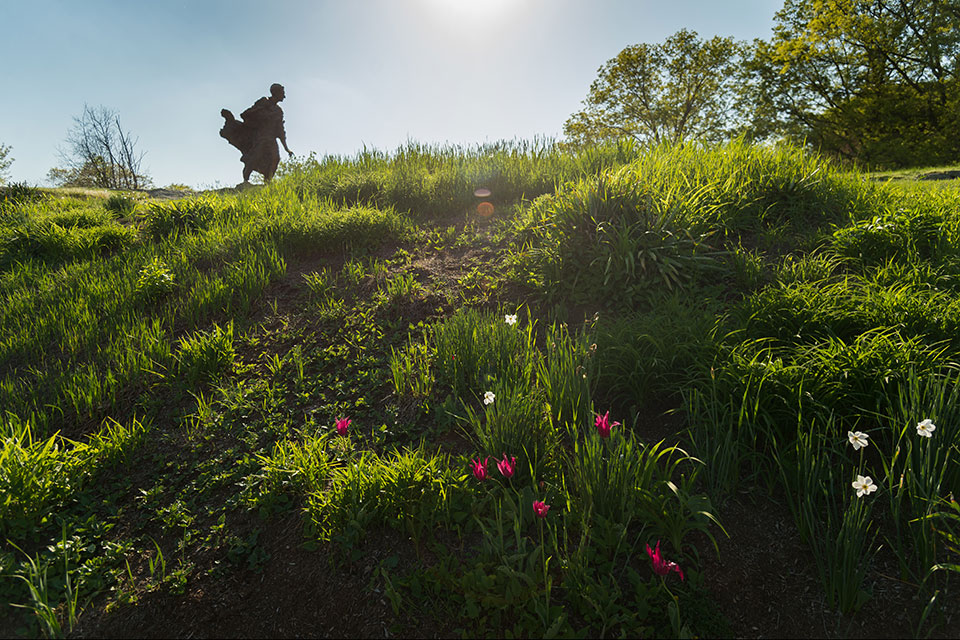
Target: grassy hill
<point>455,391</point>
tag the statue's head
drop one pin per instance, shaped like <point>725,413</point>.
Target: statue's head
<point>276,91</point>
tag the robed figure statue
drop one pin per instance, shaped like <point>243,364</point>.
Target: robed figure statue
<point>256,134</point>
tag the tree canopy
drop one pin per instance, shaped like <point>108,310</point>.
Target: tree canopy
<point>867,80</point>
<point>657,93</point>
<point>873,80</point>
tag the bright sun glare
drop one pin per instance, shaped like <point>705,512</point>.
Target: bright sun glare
<point>473,11</point>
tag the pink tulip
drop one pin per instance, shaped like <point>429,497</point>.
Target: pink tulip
<point>507,467</point>
<point>479,469</point>
<point>540,508</point>
<point>603,425</point>
<point>660,566</point>
<point>342,425</point>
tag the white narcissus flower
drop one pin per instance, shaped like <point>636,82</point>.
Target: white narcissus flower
<point>488,397</point>
<point>511,319</point>
<point>858,439</point>
<point>864,485</point>
<point>926,428</point>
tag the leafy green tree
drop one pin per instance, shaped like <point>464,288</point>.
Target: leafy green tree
<point>873,80</point>
<point>5,162</point>
<point>682,89</point>
<point>89,175</point>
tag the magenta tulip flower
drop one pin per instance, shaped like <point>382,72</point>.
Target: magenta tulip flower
<point>660,566</point>
<point>507,467</point>
<point>342,425</point>
<point>479,469</point>
<point>603,425</point>
<point>540,508</point>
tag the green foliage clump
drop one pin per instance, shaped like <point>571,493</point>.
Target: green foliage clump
<point>204,355</point>
<point>292,469</point>
<point>326,229</point>
<point>567,375</point>
<point>185,215</point>
<point>620,480</point>
<point>654,354</point>
<point>37,475</point>
<point>907,235</point>
<point>18,193</point>
<point>54,233</point>
<point>120,205</point>
<point>516,422</point>
<point>474,349</point>
<point>806,312</point>
<point>664,220</point>
<point>410,489</point>
<point>155,280</point>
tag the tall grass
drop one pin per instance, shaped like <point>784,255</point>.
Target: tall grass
<point>73,337</point>
<point>568,376</point>
<point>646,356</point>
<point>433,180</point>
<point>922,474</point>
<point>475,349</point>
<point>660,221</point>
<point>412,490</point>
<point>37,474</point>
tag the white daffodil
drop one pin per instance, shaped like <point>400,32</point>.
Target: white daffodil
<point>864,485</point>
<point>858,439</point>
<point>511,319</point>
<point>488,397</point>
<point>926,428</point>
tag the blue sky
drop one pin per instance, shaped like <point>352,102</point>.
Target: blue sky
<point>357,72</point>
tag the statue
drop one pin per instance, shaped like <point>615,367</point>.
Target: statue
<point>255,135</point>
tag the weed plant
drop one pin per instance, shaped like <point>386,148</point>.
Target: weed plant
<point>411,490</point>
<point>203,356</point>
<point>38,475</point>
<point>120,205</point>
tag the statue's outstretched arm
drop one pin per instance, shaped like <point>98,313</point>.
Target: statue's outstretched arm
<point>283,141</point>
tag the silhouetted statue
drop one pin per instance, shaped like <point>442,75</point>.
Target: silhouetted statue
<point>256,134</point>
